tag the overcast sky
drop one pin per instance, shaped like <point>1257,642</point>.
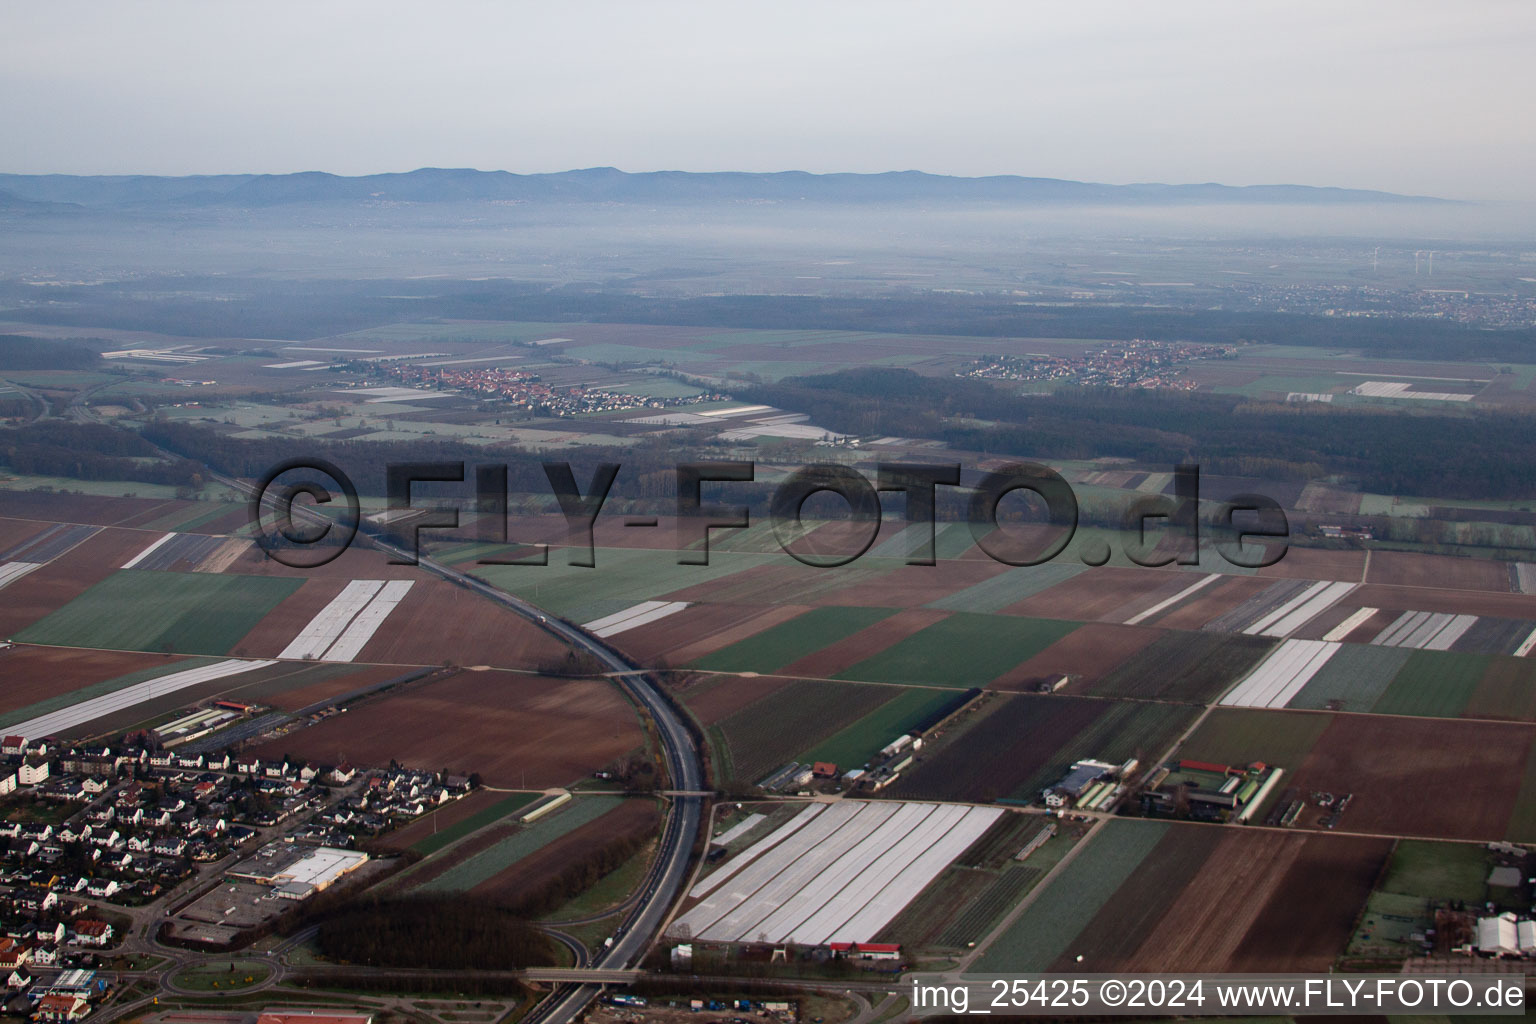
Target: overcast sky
<point>1420,96</point>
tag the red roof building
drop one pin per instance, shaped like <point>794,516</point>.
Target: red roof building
<point>62,1008</point>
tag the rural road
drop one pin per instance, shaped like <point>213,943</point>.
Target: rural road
<point>685,768</point>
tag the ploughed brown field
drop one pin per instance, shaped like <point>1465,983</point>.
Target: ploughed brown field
<point>87,509</point>
<point>1090,651</point>
<point>1411,569</point>
<point>1457,602</point>
<point>865,643</point>
<point>1419,776</point>
<point>272,634</point>
<point>1219,899</point>
<point>713,699</point>
<point>515,730</point>
<point>633,818</point>
<point>1324,622</point>
<point>51,587</point>
<point>1100,594</point>
<point>1371,627</point>
<point>440,622</point>
<point>1321,564</point>
<point>700,630</point>
<point>1208,602</point>
<point>34,674</point>
<point>14,531</point>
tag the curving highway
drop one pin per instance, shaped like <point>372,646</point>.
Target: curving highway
<point>663,886</point>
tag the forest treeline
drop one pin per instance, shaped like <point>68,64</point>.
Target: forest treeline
<point>447,933</point>
<point>310,309</point>
<point>1470,454</point>
<point>91,451</point>
<point>20,352</point>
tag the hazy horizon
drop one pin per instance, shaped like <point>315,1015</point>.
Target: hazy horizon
<point>1413,98</point>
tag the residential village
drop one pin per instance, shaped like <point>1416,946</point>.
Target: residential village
<point>91,832</point>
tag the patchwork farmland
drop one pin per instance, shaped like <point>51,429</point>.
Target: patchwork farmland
<point>1159,897</point>
<point>781,665</point>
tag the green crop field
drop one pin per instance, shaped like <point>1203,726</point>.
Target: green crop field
<point>1436,684</point>
<point>770,732</point>
<point>950,540</point>
<point>789,641</point>
<point>963,650</point>
<point>187,613</point>
<point>484,866</point>
<point>1356,676</point>
<point>622,577</point>
<point>474,823</point>
<point>863,739</point>
<point>1238,736</point>
<point>941,901</point>
<point>973,923</point>
<point>1046,930</point>
<point>1185,666</point>
<point>1437,871</point>
<point>1015,585</point>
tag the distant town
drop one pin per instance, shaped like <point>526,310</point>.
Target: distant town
<point>1132,364</point>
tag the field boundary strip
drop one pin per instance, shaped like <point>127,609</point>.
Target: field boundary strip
<point>1300,609</point>
<point>1282,675</point>
<point>99,707</point>
<point>10,572</point>
<point>1166,603</point>
<point>740,829</point>
<point>340,630</point>
<point>1354,621</point>
<point>642,614</point>
<point>154,546</point>
<point>356,636</point>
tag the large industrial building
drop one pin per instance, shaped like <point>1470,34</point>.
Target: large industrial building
<point>297,872</point>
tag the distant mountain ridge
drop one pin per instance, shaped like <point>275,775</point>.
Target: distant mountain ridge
<point>609,185</point>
